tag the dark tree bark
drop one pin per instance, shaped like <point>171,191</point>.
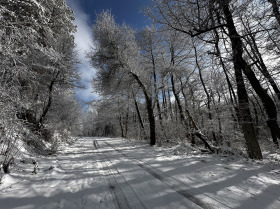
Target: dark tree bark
<point>150,111</point>
<point>138,112</point>
<point>170,106</point>
<point>121,125</point>
<point>155,87</point>
<point>47,108</point>
<point>259,60</point>
<point>275,9</point>
<point>178,101</point>
<point>267,101</point>
<point>164,103</point>
<point>254,150</point>
<point>139,115</point>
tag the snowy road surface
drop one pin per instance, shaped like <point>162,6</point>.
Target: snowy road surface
<point>114,173</point>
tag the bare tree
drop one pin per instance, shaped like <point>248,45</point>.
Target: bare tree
<point>195,18</point>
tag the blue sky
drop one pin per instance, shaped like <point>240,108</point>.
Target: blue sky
<point>124,10</point>
<point>127,11</point>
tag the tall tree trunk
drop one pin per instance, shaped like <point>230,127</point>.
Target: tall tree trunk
<point>120,120</point>
<point>48,106</point>
<point>267,101</point>
<point>254,150</point>
<point>206,92</point>
<point>121,125</point>
<point>178,101</point>
<point>218,52</point>
<point>189,125</point>
<point>156,95</point>
<point>156,88</point>
<point>150,111</point>
<point>170,106</point>
<point>233,100</point>
<point>139,114</point>
<point>164,102</point>
<point>126,119</point>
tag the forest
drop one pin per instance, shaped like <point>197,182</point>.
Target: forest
<point>204,73</point>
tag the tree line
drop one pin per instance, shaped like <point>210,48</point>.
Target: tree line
<point>204,72</point>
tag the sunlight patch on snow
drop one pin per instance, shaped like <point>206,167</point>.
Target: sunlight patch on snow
<point>78,178</point>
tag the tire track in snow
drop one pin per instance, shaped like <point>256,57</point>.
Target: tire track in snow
<point>181,188</point>
<point>114,187</point>
<point>119,188</point>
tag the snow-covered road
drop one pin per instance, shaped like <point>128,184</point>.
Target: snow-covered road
<point>114,173</point>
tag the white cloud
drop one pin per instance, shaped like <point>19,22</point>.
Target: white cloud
<point>83,40</point>
<point>86,94</point>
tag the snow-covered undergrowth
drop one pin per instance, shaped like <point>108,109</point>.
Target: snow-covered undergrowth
<point>20,147</point>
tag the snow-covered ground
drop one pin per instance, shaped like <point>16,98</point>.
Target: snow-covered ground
<point>116,173</point>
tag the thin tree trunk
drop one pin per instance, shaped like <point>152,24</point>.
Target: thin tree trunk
<point>218,51</point>
<point>139,115</point>
<point>189,125</point>
<point>170,106</point>
<point>233,100</point>
<point>120,120</point>
<point>183,120</point>
<point>198,133</point>
<point>156,95</point>
<point>206,92</point>
<point>179,105</point>
<point>164,103</point>
<point>156,88</point>
<point>218,115</point>
<point>121,125</point>
<point>126,120</point>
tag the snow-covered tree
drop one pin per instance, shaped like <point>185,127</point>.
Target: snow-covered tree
<point>116,56</point>
<point>37,58</point>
